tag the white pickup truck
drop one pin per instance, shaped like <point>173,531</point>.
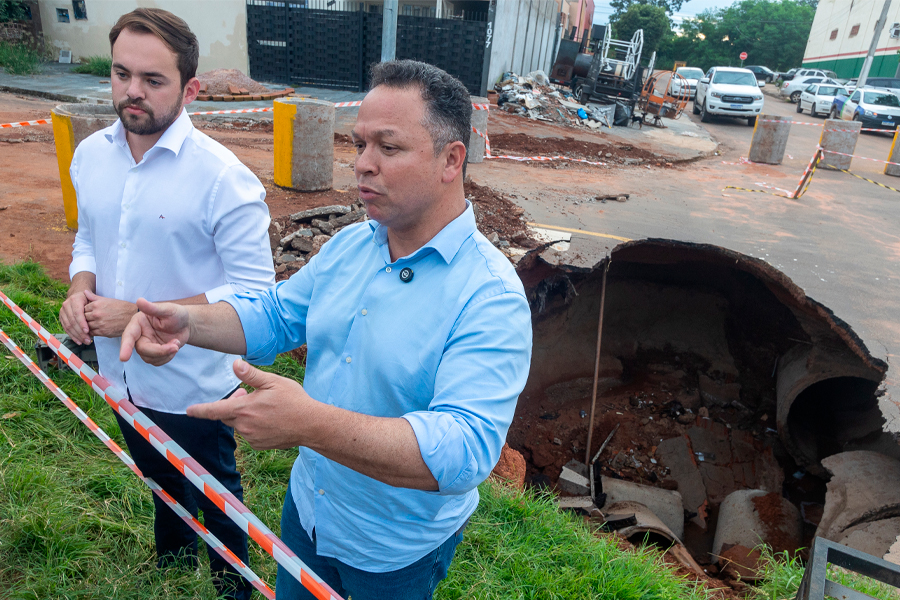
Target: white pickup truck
<point>728,92</point>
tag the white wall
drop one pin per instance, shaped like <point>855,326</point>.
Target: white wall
<point>220,27</point>
<point>524,37</point>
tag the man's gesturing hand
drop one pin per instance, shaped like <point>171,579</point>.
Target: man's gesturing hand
<point>156,333</point>
<point>269,417</point>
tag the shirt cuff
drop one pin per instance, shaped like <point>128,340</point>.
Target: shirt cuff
<point>220,293</point>
<point>82,263</point>
<point>445,450</point>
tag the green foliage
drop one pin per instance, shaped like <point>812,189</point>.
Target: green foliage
<point>95,65</point>
<point>783,574</point>
<point>652,19</point>
<point>772,33</point>
<point>13,10</point>
<point>622,6</point>
<point>21,58</point>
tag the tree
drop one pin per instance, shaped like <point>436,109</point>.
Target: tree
<point>772,33</point>
<point>620,6</point>
<point>12,10</point>
<point>652,19</point>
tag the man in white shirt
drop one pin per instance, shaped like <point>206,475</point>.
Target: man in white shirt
<point>166,213</point>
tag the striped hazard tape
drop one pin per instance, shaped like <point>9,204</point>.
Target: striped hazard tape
<point>887,162</point>
<point>181,460</point>
<point>487,154</point>
<point>823,125</point>
<point>887,187</point>
<point>211,540</point>
<point>802,186</point>
<point>220,112</point>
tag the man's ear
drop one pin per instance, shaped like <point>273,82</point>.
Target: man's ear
<point>454,159</point>
<point>191,89</point>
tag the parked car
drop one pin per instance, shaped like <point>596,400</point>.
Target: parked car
<point>818,98</point>
<point>728,92</point>
<point>787,76</point>
<point>693,75</point>
<point>876,109</point>
<point>762,73</point>
<point>793,88</point>
<point>800,72</point>
<point>890,84</point>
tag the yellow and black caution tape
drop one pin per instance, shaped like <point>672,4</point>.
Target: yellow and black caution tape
<point>802,186</point>
<point>887,187</point>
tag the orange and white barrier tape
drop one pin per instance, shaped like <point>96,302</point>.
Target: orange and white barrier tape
<point>25,123</point>
<point>231,112</point>
<point>823,125</point>
<point>211,540</point>
<point>487,154</point>
<point>886,162</point>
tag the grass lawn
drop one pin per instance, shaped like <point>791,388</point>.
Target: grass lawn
<point>76,523</point>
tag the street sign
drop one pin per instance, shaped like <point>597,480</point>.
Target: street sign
<point>743,56</point>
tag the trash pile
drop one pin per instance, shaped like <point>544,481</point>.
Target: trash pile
<point>532,96</point>
<point>299,237</point>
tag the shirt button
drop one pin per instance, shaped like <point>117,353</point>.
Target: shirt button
<point>348,360</point>
<point>122,244</point>
<point>321,492</point>
<point>387,270</point>
<point>119,283</point>
<point>364,312</point>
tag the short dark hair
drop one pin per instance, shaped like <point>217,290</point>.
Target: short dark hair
<point>172,30</point>
<point>448,106</point>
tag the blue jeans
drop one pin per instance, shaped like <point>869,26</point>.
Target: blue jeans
<point>414,582</point>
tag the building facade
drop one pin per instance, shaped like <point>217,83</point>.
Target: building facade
<point>842,33</point>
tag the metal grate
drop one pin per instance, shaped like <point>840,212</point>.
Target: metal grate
<point>816,585</point>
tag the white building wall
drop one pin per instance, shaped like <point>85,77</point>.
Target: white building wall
<point>524,37</point>
<point>220,27</point>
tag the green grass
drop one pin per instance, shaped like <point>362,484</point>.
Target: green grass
<point>21,58</point>
<point>95,65</point>
<point>76,523</point>
<point>783,574</point>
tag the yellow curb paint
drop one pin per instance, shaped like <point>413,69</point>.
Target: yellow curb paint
<point>566,229</point>
<point>284,115</point>
<point>65,150</point>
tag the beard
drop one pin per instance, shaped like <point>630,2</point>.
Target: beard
<point>149,123</point>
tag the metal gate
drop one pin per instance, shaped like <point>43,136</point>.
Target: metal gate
<point>289,43</point>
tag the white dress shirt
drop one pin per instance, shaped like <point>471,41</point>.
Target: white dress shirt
<point>188,219</point>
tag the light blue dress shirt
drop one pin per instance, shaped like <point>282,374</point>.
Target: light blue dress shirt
<point>449,351</point>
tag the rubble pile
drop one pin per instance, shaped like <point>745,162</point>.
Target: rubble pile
<point>532,96</point>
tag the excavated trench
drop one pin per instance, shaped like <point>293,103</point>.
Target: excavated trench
<point>717,372</point>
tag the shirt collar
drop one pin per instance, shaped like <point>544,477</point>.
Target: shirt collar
<point>447,242</point>
<point>172,139</point>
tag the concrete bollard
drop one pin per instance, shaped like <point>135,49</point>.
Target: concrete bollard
<point>839,136</point>
<point>304,144</point>
<point>894,157</point>
<point>479,122</point>
<point>770,136</point>
<point>72,123</point>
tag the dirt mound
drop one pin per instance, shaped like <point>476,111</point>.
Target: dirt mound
<point>497,214</point>
<point>522,144</point>
<point>218,80</point>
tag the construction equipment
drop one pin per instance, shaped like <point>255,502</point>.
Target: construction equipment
<point>665,94</point>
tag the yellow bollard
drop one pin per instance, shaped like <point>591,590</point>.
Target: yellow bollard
<point>893,157</point>
<point>304,144</point>
<point>72,123</point>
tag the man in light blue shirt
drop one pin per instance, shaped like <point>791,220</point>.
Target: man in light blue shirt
<point>419,343</point>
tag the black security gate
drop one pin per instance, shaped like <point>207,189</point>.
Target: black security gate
<point>289,43</point>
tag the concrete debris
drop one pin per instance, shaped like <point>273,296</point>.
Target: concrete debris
<point>573,479</point>
<point>741,562</point>
<point>676,454</point>
<point>581,505</point>
<point>315,228</point>
<point>862,501</point>
<point>716,393</point>
<point>665,504</point>
<point>751,517</point>
<point>533,97</point>
<point>893,553</point>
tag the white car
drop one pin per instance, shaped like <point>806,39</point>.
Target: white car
<point>875,109</point>
<point>693,75</point>
<point>793,88</point>
<point>817,98</point>
<point>728,92</point>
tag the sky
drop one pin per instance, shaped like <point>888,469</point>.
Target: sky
<point>602,11</point>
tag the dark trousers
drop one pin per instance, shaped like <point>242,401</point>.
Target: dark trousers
<point>212,444</point>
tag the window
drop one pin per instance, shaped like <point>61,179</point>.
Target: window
<point>79,9</point>
<point>833,34</point>
<point>854,97</point>
<point>854,30</point>
<point>62,15</point>
<point>811,89</point>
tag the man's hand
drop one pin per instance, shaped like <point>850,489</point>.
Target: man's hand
<point>269,417</point>
<point>107,317</point>
<point>156,332</point>
<point>71,317</point>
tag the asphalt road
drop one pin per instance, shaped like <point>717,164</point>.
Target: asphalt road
<point>840,242</point>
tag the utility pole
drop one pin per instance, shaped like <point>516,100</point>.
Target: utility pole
<point>389,30</point>
<point>879,27</point>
